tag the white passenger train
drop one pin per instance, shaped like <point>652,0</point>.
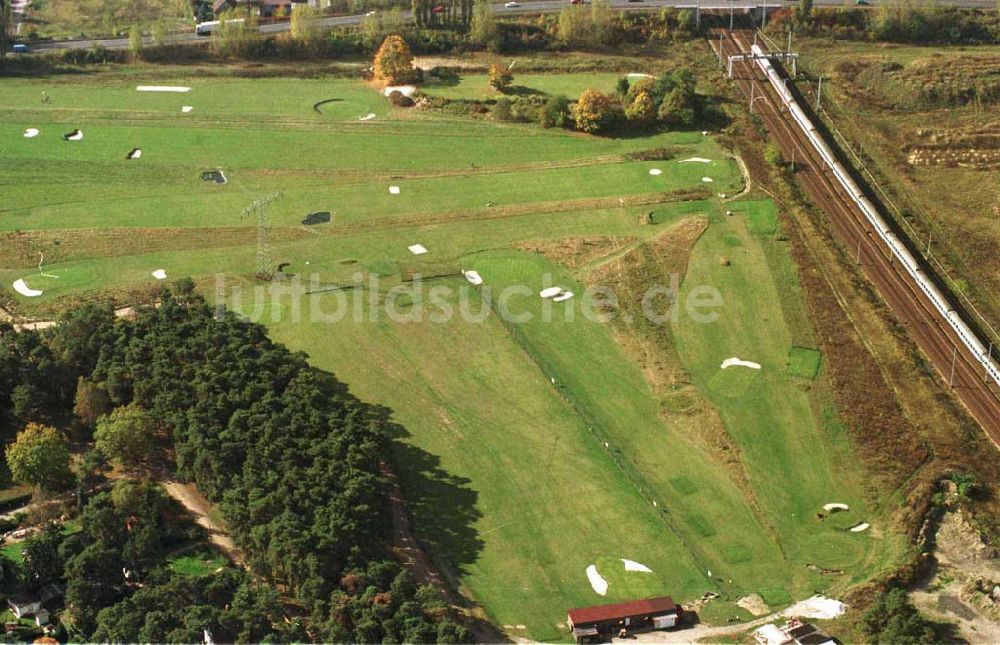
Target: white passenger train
<point>943,305</point>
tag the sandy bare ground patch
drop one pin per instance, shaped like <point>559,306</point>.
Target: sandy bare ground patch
<point>755,604</point>
<point>201,509</point>
<point>22,288</point>
<point>734,361</point>
<point>597,581</point>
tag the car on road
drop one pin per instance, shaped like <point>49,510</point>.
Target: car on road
<point>862,3</point>
<point>512,5</point>
<point>20,48</point>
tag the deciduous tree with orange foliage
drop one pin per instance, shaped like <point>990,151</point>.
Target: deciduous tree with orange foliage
<point>394,61</point>
<point>593,111</point>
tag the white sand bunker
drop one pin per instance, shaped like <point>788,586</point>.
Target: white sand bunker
<point>655,171</point>
<point>599,584</point>
<point>857,528</point>
<point>162,88</point>
<point>186,108</point>
<point>75,135</point>
<point>707,180</point>
<point>405,90</point>
<point>473,277</point>
<point>31,133</point>
<point>393,190</point>
<point>695,160</point>
<point>417,249</point>
<point>565,295</point>
<point>550,292</point>
<point>816,607</point>
<point>835,506</point>
<point>134,153</point>
<point>22,288</point>
<point>160,274</point>
<point>632,565</point>
<point>730,362</point>
<point>367,117</point>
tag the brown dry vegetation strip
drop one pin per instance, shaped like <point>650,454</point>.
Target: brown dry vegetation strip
<point>576,251</point>
<point>659,261</point>
<point>20,249</point>
<point>520,210</point>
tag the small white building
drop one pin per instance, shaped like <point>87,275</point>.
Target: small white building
<point>42,617</point>
<point>22,606</point>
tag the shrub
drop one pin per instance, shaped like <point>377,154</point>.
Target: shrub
<point>555,112</point>
<point>642,109</point>
<point>593,111</point>
<point>399,99</point>
<point>501,111</point>
<point>500,77</point>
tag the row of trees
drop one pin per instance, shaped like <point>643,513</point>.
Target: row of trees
<point>669,100</point>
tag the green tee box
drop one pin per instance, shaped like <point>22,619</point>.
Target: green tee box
<point>804,362</point>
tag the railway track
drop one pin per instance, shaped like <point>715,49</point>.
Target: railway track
<point>936,339</point>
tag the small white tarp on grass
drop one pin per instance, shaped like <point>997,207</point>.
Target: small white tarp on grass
<point>417,249</point>
<point>857,528</point>
<point>695,160</point>
<point>31,133</point>
<point>632,565</point>
<point>639,75</point>
<point>75,135</point>
<point>160,274</point>
<point>162,88</point>
<point>655,171</point>
<point>473,277</point>
<point>565,295</point>
<point>393,190</point>
<point>730,362</point>
<point>186,108</point>
<point>550,292</point>
<point>367,117</point>
<point>707,180</point>
<point>599,584</point>
<point>22,288</point>
<point>836,506</point>
<point>134,153</point>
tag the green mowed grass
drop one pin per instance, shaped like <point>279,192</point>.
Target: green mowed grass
<point>197,564</point>
<point>502,475</point>
<point>794,465</point>
<point>527,452</point>
<point>215,99</point>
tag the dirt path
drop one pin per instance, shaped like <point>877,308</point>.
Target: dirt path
<point>407,550</point>
<point>201,508</point>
